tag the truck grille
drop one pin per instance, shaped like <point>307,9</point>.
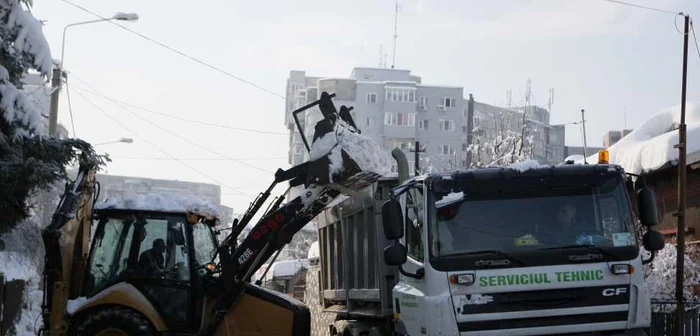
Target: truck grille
<point>542,308</point>
<point>548,321</point>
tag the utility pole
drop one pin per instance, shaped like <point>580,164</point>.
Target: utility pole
<point>583,122</point>
<point>416,157</point>
<point>680,214</point>
<point>56,82</point>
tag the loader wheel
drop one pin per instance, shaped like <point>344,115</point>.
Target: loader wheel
<point>114,322</point>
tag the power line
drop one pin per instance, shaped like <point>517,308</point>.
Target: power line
<point>692,28</point>
<point>176,117</point>
<point>178,135</point>
<point>70,109</point>
<point>640,6</point>
<point>158,148</point>
<point>196,159</point>
<point>177,51</point>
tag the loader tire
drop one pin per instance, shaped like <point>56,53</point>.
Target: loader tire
<point>114,321</point>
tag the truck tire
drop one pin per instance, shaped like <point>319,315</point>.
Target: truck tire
<point>114,321</point>
<point>378,330</point>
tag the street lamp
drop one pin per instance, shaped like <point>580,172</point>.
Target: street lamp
<point>122,140</point>
<point>131,17</point>
<point>58,71</point>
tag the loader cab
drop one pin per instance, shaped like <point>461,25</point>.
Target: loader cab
<point>161,254</point>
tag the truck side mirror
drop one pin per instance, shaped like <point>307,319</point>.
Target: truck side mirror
<point>392,219</point>
<point>653,241</point>
<point>395,254</point>
<point>646,205</point>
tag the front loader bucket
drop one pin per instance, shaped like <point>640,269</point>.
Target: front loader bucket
<point>341,172</point>
<point>341,158</point>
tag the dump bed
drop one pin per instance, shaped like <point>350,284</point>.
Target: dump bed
<point>355,282</point>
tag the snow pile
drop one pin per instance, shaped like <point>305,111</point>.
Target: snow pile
<point>661,274</point>
<point>363,150</point>
<point>18,266</point>
<point>166,202</point>
<point>650,146</point>
<point>450,199</point>
<point>525,165</point>
<point>314,251</point>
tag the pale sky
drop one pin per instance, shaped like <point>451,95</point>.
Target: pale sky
<point>599,56</point>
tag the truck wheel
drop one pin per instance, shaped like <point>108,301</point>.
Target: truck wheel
<point>378,330</point>
<point>114,322</point>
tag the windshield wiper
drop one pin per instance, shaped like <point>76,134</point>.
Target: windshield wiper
<point>488,262</point>
<point>587,246</point>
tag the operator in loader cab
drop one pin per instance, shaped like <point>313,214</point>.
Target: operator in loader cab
<point>152,261</point>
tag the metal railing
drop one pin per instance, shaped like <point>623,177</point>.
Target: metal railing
<point>663,319</point>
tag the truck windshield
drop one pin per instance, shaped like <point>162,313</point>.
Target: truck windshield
<point>512,218</point>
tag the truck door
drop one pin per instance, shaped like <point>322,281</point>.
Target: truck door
<point>409,293</point>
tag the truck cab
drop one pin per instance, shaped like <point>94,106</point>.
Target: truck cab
<point>541,251</point>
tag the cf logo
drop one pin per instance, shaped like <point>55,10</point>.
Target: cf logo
<point>614,291</point>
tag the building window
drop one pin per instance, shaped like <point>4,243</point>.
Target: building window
<point>401,94</point>
<point>371,97</point>
<point>368,122</point>
<point>400,119</point>
<point>448,102</point>
<point>423,124</point>
<point>423,105</point>
<point>446,125</point>
<point>446,150</point>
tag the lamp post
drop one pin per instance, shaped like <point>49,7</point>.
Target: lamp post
<point>58,71</point>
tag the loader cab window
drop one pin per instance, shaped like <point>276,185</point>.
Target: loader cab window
<point>205,248</point>
<point>109,257</point>
<point>163,252</point>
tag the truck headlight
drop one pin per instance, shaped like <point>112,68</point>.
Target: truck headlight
<point>619,269</point>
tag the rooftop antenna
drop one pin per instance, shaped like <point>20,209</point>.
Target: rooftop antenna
<point>551,100</point>
<point>624,116</point>
<point>381,56</point>
<point>528,92</point>
<point>396,36</point>
<point>509,98</point>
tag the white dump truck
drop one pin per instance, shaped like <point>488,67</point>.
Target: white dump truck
<point>501,251</point>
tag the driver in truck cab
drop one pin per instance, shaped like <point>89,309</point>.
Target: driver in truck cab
<point>568,225</point>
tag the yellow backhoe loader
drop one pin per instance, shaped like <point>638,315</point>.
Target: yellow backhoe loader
<point>116,269</point>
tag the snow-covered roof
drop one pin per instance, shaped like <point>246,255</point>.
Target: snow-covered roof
<point>164,202</point>
<point>314,251</point>
<point>650,146</point>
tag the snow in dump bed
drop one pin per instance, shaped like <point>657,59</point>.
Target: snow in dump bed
<point>314,252</point>
<point>163,202</point>
<point>449,199</point>
<point>368,155</point>
<point>650,145</point>
<point>525,165</point>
